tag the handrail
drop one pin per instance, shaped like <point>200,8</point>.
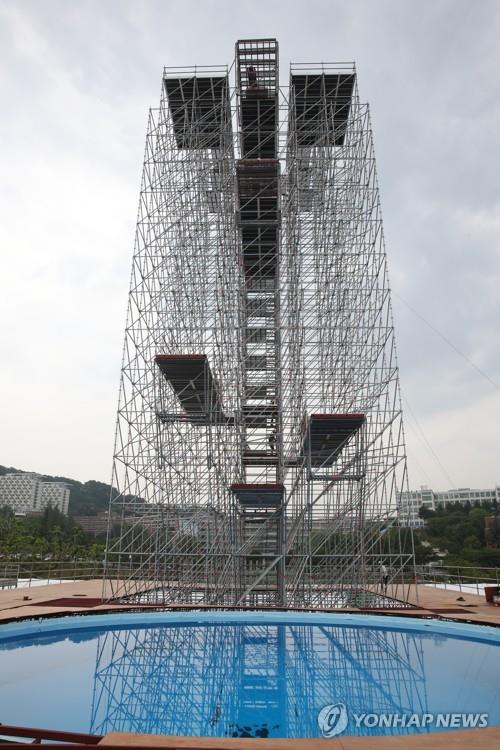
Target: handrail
<point>29,573</point>
<point>464,579</point>
<point>37,734</point>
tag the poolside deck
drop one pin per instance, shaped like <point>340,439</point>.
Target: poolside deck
<point>25,737</point>
<point>53,599</point>
<point>467,739</point>
<point>85,596</point>
<point>447,604</point>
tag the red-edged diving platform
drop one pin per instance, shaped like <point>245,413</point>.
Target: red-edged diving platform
<point>191,378</point>
<point>259,495</point>
<point>326,435</point>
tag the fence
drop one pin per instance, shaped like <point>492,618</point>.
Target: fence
<point>28,573</point>
<point>469,580</point>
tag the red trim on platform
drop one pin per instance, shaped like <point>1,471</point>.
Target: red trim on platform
<point>257,487</point>
<point>174,357</point>
<point>352,415</point>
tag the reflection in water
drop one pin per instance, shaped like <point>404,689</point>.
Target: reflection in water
<point>252,680</point>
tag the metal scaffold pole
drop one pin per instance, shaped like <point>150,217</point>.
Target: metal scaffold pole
<point>260,452</point>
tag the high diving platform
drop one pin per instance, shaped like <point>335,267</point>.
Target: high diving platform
<point>321,106</point>
<point>199,108</point>
<point>259,495</point>
<point>194,385</point>
<point>326,436</point>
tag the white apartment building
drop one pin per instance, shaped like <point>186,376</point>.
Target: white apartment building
<point>18,491</point>
<point>411,502</point>
<point>55,494</point>
<point>28,493</point>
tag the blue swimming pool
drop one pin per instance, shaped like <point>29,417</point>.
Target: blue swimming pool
<point>249,675</point>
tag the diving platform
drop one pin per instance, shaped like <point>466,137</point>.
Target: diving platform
<point>194,385</point>
<point>259,495</point>
<point>321,106</point>
<point>326,435</point>
<point>200,110</point>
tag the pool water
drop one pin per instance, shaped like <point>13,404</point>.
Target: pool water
<point>241,675</point>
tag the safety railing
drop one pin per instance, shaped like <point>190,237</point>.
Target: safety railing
<point>465,579</point>
<point>30,573</point>
<point>14,736</point>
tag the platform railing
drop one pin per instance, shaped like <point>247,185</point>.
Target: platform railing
<point>464,579</point>
<point>30,573</point>
<point>14,736</point>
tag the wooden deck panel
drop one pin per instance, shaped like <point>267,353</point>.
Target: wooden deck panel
<point>467,739</point>
<point>431,602</point>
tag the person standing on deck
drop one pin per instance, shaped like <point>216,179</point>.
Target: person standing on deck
<point>384,577</point>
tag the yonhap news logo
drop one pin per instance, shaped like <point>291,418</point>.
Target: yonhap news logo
<point>333,719</point>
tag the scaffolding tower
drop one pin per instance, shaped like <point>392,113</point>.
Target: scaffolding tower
<point>259,450</point>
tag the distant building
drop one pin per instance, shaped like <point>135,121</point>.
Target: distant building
<point>55,494</point>
<point>18,491</point>
<point>97,524</point>
<point>411,502</point>
<point>180,520</point>
<point>29,493</point>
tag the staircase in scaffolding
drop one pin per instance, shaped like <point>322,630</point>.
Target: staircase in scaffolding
<point>260,495</point>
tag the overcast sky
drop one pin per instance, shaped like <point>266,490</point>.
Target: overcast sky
<point>76,80</point>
